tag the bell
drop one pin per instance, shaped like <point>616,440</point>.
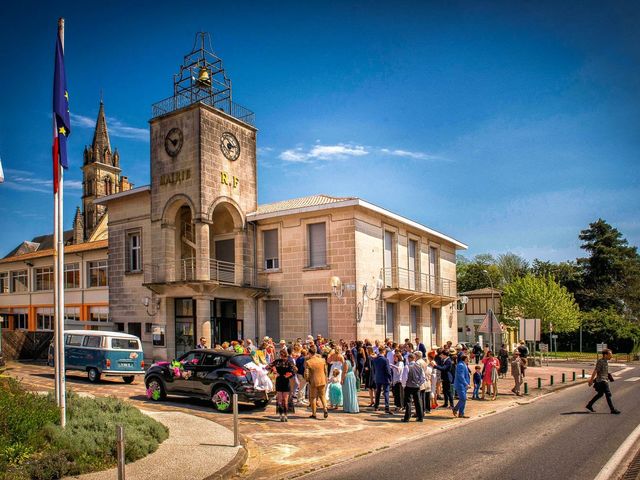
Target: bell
<point>204,80</point>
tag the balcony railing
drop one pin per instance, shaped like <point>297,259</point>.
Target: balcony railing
<point>407,279</point>
<point>187,270</point>
<point>185,99</point>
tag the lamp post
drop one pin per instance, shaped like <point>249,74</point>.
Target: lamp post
<point>493,340</point>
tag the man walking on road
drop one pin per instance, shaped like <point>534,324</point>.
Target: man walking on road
<point>600,379</point>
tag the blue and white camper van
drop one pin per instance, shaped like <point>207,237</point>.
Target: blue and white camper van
<point>102,353</point>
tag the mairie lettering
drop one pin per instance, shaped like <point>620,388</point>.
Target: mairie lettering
<point>175,177</point>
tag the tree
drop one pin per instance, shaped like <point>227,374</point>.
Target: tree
<point>543,298</point>
<point>511,267</point>
<point>610,327</point>
<point>611,272</point>
<point>567,274</point>
<point>471,273</point>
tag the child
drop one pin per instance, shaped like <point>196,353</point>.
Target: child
<point>477,381</point>
<point>335,389</point>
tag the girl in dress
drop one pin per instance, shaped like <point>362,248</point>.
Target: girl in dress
<point>490,375</point>
<point>349,387</point>
<point>335,389</point>
<point>285,369</point>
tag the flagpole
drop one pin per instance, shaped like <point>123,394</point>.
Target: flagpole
<point>60,277</point>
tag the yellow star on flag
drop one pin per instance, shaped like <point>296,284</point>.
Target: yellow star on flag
<point>66,95</point>
<point>63,131</point>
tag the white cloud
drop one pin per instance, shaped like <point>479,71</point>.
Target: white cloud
<point>409,154</point>
<point>339,151</point>
<point>115,127</point>
<point>25,181</point>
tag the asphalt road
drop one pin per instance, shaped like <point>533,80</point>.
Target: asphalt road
<point>552,438</point>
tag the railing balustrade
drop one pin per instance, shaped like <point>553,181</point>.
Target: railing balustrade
<point>409,279</point>
<point>187,269</point>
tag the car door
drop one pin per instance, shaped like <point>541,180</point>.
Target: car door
<point>186,382</point>
<point>207,371</point>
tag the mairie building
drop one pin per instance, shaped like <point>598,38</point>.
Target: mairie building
<point>193,254</point>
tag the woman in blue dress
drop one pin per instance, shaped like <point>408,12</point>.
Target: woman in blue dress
<point>349,390</point>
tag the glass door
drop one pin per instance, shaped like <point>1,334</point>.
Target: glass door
<point>185,325</point>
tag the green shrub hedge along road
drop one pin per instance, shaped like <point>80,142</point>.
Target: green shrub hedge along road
<point>33,446</point>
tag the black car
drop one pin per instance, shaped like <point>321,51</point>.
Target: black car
<point>209,374</point>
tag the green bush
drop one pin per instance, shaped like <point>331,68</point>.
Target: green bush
<point>34,446</point>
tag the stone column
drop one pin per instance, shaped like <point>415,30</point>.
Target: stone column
<point>202,251</point>
<point>167,264</point>
<point>203,319</point>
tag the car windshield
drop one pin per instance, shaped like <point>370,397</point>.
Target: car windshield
<point>241,360</point>
<point>124,344</point>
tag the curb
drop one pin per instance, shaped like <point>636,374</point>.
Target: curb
<point>624,454</point>
<point>234,466</point>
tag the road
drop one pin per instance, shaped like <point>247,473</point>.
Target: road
<point>552,438</point>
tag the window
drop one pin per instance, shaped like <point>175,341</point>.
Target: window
<point>391,314</point>
<point>157,335</point>
<point>93,341</point>
<point>99,314</point>
<point>43,278</point>
<point>71,314</point>
<point>134,252</point>
<point>212,360</point>
<point>71,275</point>
<point>20,319</point>
<point>388,259</point>
<point>134,328</point>
<point>270,243</point>
<point>433,270</point>
<point>272,318</point>
<point>119,327</point>
<point>317,244</point>
<point>319,317</point>
<point>75,340</point>
<point>415,314</point>
<point>44,318</point>
<point>190,358</point>
<point>19,281</point>
<point>413,268</point>
<point>125,344</point>
<point>97,273</point>
<point>148,327</point>
<point>4,282</point>
<point>435,326</point>
<point>4,320</point>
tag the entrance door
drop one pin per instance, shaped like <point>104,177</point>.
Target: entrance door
<point>225,271</point>
<point>226,325</point>
<point>185,325</point>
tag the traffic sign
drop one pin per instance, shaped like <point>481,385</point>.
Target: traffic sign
<point>554,337</point>
<point>600,347</point>
<point>544,348</point>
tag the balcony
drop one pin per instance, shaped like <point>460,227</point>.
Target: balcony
<point>409,285</point>
<point>218,273</point>
<point>184,99</point>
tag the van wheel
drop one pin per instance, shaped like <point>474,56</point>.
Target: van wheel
<point>129,379</point>
<point>221,399</point>
<point>94,375</point>
<point>155,390</point>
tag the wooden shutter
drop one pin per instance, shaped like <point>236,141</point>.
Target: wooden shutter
<point>319,317</point>
<point>317,245</point>
<point>272,318</point>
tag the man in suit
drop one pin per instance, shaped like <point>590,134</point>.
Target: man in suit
<point>421,348</point>
<point>382,376</point>
<point>316,374</point>
<point>445,367</point>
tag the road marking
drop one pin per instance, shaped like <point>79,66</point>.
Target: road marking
<point>632,379</point>
<point>620,372</point>
<point>619,456</point>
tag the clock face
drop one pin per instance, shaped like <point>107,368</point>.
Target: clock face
<point>173,142</point>
<point>230,146</point>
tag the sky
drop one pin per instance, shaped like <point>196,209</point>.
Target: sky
<point>509,126</point>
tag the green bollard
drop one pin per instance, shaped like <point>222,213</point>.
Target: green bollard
<point>526,388</point>
<point>574,376</point>
<point>550,380</point>
<point>564,380</point>
<point>539,383</point>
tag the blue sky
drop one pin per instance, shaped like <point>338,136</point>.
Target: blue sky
<point>508,125</point>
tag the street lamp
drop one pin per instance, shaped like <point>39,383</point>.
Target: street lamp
<point>493,307</point>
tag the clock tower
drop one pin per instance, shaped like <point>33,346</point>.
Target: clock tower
<point>203,175</point>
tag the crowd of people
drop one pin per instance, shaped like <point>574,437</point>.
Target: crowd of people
<point>321,373</point>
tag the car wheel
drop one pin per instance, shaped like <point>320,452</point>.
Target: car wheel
<point>129,379</point>
<point>94,375</point>
<point>155,390</point>
<point>222,399</point>
<point>261,403</point>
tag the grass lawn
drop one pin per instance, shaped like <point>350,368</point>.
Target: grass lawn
<point>34,446</point>
<point>617,357</point>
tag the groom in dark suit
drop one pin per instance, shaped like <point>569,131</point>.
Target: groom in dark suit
<point>382,376</point>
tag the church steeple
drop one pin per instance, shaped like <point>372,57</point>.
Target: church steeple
<point>101,143</point>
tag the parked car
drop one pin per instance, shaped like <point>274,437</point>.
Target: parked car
<point>207,374</point>
<point>101,354</point>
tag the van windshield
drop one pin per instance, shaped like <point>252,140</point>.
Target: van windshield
<point>124,344</point>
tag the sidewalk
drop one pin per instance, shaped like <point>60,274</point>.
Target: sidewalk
<point>196,449</point>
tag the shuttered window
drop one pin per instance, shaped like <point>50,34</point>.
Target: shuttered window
<point>319,317</point>
<point>270,242</point>
<point>317,244</point>
<point>415,313</point>
<point>391,314</point>
<point>272,318</point>
<point>413,248</point>
<point>388,259</point>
